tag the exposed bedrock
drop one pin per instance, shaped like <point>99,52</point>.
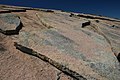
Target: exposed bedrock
<point>58,46</point>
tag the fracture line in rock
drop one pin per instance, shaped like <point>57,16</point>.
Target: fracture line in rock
<point>59,66</point>
<point>96,28</point>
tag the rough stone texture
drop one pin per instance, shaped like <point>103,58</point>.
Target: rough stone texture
<point>8,21</point>
<point>10,24</point>
<point>16,65</point>
<point>90,51</point>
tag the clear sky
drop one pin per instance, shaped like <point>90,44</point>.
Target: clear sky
<point>100,7</point>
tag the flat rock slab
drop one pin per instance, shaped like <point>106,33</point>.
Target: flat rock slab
<point>10,23</point>
<point>7,20</point>
<point>80,49</point>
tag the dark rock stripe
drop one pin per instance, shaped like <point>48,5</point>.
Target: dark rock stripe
<point>85,24</point>
<point>5,11</point>
<point>18,10</point>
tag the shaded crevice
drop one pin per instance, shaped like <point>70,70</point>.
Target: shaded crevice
<point>59,66</point>
<point>5,11</point>
<point>118,57</point>
<point>9,11</point>
<point>18,10</point>
<point>58,75</point>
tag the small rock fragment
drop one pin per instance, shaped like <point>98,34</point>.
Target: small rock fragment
<point>85,24</point>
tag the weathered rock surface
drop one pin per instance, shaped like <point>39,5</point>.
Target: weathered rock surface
<point>10,24</point>
<point>68,50</point>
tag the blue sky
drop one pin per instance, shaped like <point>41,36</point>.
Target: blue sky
<point>100,7</point>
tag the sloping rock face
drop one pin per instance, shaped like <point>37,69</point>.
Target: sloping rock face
<point>53,45</point>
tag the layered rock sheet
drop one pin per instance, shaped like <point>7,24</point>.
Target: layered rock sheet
<point>90,51</point>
